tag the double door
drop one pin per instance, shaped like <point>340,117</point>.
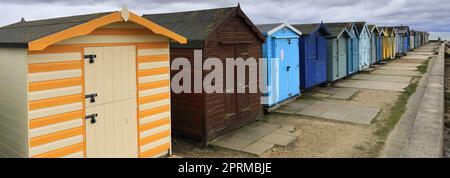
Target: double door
<point>110,105</point>
<point>237,105</point>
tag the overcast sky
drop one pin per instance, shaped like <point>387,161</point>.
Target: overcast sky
<point>426,15</point>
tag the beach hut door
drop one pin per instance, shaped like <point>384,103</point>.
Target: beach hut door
<point>237,104</point>
<point>283,68</point>
<point>110,105</point>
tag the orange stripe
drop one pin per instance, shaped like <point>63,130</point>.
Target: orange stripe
<point>88,27</point>
<point>36,141</point>
<point>58,49</point>
<point>152,85</point>
<point>54,66</point>
<point>58,153</point>
<point>154,151</point>
<point>41,122</point>
<point>137,102</point>
<point>153,45</point>
<point>155,137</point>
<point>155,58</point>
<point>158,71</point>
<point>154,111</point>
<point>55,101</point>
<point>153,98</point>
<point>118,31</point>
<point>68,48</point>
<point>54,84</point>
<point>83,111</point>
<point>154,124</point>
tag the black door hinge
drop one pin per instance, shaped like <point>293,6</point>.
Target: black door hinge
<point>288,68</point>
<point>92,97</point>
<point>92,117</point>
<point>90,57</point>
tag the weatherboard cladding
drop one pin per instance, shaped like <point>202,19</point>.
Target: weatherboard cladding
<point>313,55</point>
<point>337,51</point>
<point>219,33</point>
<point>403,38</point>
<point>21,33</point>
<point>364,45</point>
<point>281,50</point>
<point>375,43</point>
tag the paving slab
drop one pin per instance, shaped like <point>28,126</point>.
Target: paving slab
<point>398,68</point>
<point>321,95</point>
<point>404,64</point>
<point>278,139</point>
<point>316,109</point>
<point>251,133</point>
<point>338,112</point>
<point>424,53</point>
<point>342,112</point>
<point>263,126</point>
<point>233,143</point>
<point>294,107</point>
<point>430,49</point>
<point>288,130</point>
<point>338,93</point>
<point>410,61</point>
<point>421,57</point>
<point>257,137</point>
<point>258,148</point>
<point>397,73</point>
<point>373,85</point>
<point>383,78</point>
<point>362,115</point>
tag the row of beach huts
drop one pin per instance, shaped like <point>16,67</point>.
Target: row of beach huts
<point>98,85</point>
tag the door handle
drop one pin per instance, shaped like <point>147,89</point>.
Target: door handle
<point>92,117</point>
<point>92,97</point>
<point>91,58</point>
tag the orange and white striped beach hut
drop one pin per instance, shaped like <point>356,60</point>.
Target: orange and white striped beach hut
<point>95,85</point>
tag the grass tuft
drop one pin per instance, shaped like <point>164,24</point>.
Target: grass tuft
<point>396,112</point>
<point>386,126</point>
<point>423,68</point>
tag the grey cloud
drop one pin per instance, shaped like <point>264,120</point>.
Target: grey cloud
<point>430,15</point>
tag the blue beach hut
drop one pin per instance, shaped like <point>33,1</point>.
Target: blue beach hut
<point>353,49</point>
<point>403,39</point>
<point>313,55</point>
<point>281,50</point>
<point>364,45</point>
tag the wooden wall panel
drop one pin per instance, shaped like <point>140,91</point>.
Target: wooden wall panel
<point>55,104</point>
<point>154,100</point>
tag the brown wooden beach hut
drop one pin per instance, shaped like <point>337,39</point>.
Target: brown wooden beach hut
<point>220,33</point>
